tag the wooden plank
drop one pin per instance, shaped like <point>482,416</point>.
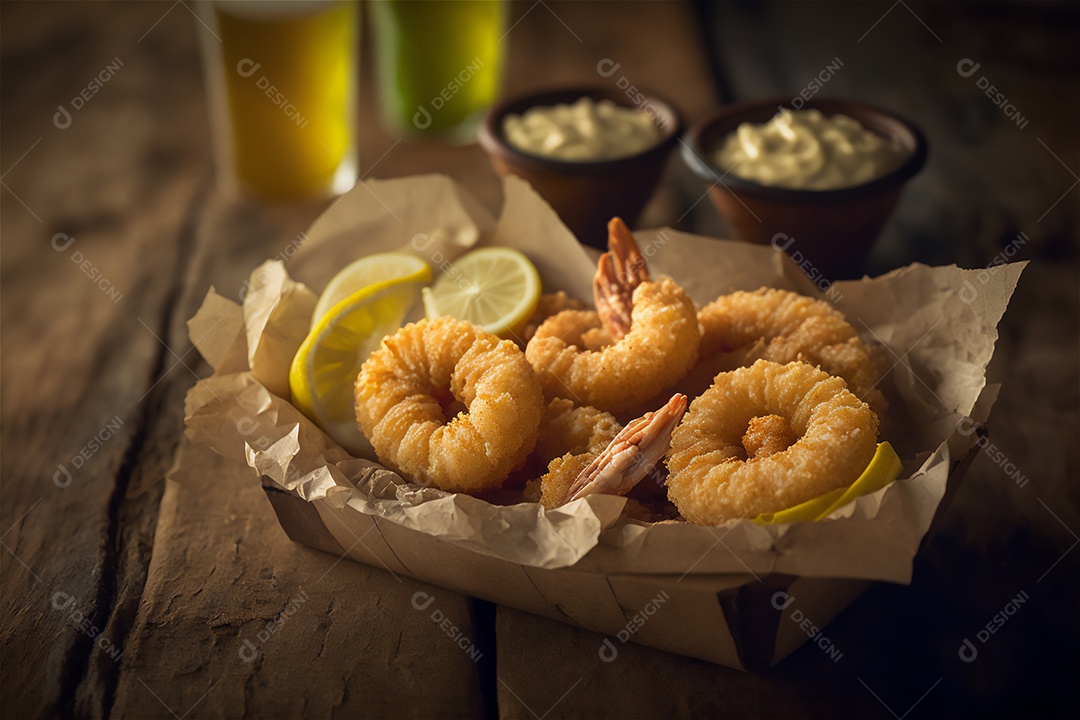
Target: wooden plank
<point>633,681</point>
<point>87,285</point>
<point>239,621</point>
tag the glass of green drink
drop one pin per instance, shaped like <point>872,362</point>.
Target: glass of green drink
<point>439,63</point>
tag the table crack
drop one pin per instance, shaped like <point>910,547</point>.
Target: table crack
<point>109,601</point>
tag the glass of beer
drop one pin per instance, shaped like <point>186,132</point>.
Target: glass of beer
<point>282,83</point>
<point>439,64</point>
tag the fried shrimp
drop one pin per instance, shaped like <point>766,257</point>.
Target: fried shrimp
<point>765,438</point>
<point>445,403</point>
<point>651,351</point>
<point>632,454</point>
<point>611,463</point>
<point>783,327</point>
<point>570,437</point>
<point>567,428</point>
<point>550,304</point>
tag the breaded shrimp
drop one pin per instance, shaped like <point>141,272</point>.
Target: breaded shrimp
<point>765,438</point>
<point>550,304</point>
<point>611,465</point>
<point>568,428</point>
<point>570,437</point>
<point>783,326</point>
<point>651,351</point>
<point>447,404</point>
<point>631,455</point>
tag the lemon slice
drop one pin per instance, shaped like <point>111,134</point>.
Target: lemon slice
<point>324,370</point>
<point>367,271</point>
<point>495,288</point>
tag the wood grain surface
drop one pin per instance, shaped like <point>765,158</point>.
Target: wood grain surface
<point>127,595</point>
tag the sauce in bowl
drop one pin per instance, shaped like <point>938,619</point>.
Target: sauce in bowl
<point>586,131</point>
<point>806,150</point>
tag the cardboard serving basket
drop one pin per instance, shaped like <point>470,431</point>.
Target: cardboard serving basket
<point>739,620</point>
<point>744,594</point>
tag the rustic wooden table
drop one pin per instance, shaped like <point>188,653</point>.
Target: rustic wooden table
<point>113,231</point>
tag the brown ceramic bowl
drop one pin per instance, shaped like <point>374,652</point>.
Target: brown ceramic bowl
<point>586,194</point>
<point>828,232</point>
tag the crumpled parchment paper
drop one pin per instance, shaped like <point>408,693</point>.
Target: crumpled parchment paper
<point>937,328</point>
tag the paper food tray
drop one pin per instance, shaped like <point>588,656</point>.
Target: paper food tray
<point>742,594</point>
<point>737,620</point>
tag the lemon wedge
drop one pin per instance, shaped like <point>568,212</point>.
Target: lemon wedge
<point>884,467</point>
<point>882,470</point>
<point>323,372</point>
<point>368,271</point>
<point>495,288</point>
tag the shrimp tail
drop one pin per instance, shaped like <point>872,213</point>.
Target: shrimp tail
<point>631,455</point>
<point>618,273</point>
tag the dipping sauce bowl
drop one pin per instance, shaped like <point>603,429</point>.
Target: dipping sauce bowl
<point>828,232</point>
<point>586,194</point>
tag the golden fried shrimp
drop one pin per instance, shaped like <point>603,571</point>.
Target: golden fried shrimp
<point>567,428</point>
<point>632,454</point>
<point>765,438</point>
<point>445,403</point>
<point>551,488</point>
<point>783,326</point>
<point>613,467</point>
<point>767,435</point>
<point>550,304</point>
<point>570,437</point>
<point>613,288</point>
<point>657,350</point>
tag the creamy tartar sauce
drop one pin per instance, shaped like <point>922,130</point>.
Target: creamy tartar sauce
<point>805,150</point>
<point>586,131</point>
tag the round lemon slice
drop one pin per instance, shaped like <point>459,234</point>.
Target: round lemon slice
<point>495,288</point>
<point>323,372</point>
<point>368,271</point>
